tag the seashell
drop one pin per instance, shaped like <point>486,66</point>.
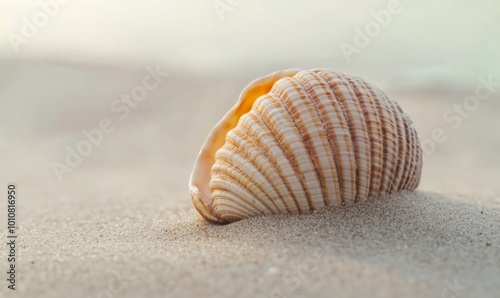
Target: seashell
<point>297,141</point>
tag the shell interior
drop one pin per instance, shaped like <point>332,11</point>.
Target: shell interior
<point>200,177</point>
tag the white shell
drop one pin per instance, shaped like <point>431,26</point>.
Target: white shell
<point>299,140</point>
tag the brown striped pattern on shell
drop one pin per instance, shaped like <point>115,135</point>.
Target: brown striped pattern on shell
<point>316,138</point>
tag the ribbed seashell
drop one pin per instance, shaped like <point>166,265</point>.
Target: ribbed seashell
<point>297,141</point>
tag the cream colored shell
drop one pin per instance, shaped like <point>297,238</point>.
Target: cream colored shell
<point>297,141</point>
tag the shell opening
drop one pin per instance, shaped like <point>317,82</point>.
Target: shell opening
<point>199,183</point>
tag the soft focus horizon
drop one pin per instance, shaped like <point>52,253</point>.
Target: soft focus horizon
<point>426,42</point>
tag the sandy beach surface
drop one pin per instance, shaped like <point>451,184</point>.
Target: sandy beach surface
<point>121,223</point>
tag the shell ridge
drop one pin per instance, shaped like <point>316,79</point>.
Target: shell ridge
<point>367,108</point>
<point>317,104</point>
<point>414,151</point>
<point>389,133</point>
<point>229,206</point>
<point>350,107</point>
<point>363,138</point>
<point>343,148</point>
<point>225,192</point>
<point>409,149</point>
<point>410,159</point>
<point>401,149</point>
<point>291,153</point>
<point>377,171</point>
<point>200,205</point>
<point>400,137</point>
<point>299,189</point>
<point>309,144</point>
<point>407,139</point>
<point>420,163</point>
<point>338,95</point>
<point>273,160</point>
<point>415,172</point>
<point>242,159</point>
<point>404,145</point>
<point>230,209</point>
<point>223,174</point>
<point>262,162</point>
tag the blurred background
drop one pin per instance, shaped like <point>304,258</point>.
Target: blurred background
<point>67,65</point>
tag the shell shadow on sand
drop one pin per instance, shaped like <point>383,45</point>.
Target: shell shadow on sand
<point>427,240</point>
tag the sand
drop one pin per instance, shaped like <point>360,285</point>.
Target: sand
<point>122,224</point>
<point>408,245</point>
